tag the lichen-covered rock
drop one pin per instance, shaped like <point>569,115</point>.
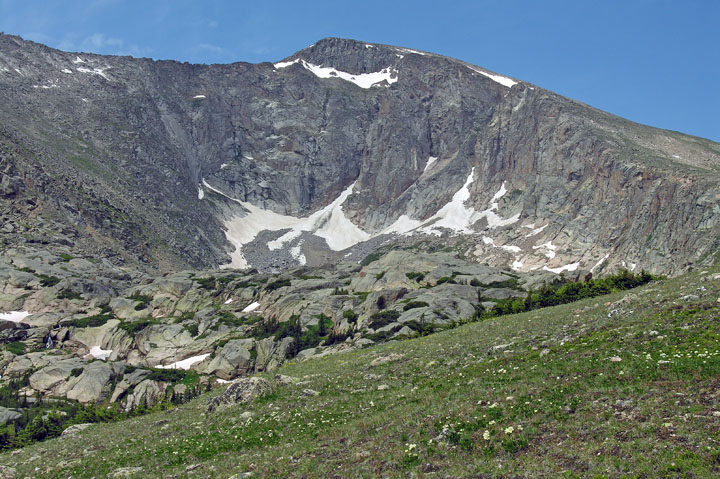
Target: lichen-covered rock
<point>233,359</point>
<point>75,429</point>
<point>8,415</point>
<point>241,391</point>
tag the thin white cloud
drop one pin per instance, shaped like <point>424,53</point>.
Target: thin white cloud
<point>98,41</point>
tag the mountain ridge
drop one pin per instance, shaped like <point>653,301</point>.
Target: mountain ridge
<point>291,138</point>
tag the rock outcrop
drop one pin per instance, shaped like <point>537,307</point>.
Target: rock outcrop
<point>241,391</point>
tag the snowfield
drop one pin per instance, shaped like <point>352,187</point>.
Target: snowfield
<point>363,80</point>
<point>504,81</point>
<point>14,316</point>
<point>251,307</point>
<point>185,363</point>
<point>99,353</point>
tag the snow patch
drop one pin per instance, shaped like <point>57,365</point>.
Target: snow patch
<point>567,267</point>
<point>535,231</point>
<point>66,70</point>
<point>78,60</point>
<point>14,316</point>
<point>599,263</point>
<point>296,252</point>
<point>363,80</point>
<point>504,81</point>
<point>223,166</point>
<point>454,216</point>
<point>430,161</point>
<point>185,363</point>
<point>517,265</point>
<point>489,241</point>
<point>403,225</point>
<point>511,248</point>
<point>201,193</point>
<point>280,65</point>
<point>94,71</point>
<point>408,50</point>
<point>230,300</point>
<point>329,223</point>
<point>549,247</point>
<point>199,97</point>
<point>99,353</point>
<point>50,84</point>
<point>251,307</point>
<point>501,192</point>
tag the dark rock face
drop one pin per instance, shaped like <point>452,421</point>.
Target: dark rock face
<point>109,154</point>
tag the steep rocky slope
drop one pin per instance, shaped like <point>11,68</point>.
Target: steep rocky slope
<point>331,152</point>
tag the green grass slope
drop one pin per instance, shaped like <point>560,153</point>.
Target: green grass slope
<point>625,385</point>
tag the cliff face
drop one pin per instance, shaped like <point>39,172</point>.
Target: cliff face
<point>339,146</point>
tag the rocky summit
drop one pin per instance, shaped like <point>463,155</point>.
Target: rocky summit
<point>167,228</point>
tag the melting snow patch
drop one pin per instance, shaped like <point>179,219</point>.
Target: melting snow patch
<point>597,265</point>
<point>51,84</point>
<point>78,60</point>
<point>66,70</point>
<point>454,216</point>
<point>329,223</point>
<point>567,267</point>
<point>516,265</point>
<point>512,248</point>
<point>550,253</point>
<point>228,301</point>
<point>199,97</point>
<point>408,50</point>
<point>251,307</point>
<point>363,80</point>
<point>14,316</point>
<point>504,81</point>
<point>535,231</point>
<point>403,225</point>
<point>501,192</point>
<point>280,65</point>
<point>489,241</point>
<point>201,193</point>
<point>94,71</point>
<point>223,166</point>
<point>296,252</point>
<point>99,353</point>
<point>430,161</point>
<point>185,363</point>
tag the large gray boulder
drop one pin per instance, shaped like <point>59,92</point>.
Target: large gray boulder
<point>8,415</point>
<point>241,391</point>
<point>271,353</point>
<point>146,393</point>
<point>233,359</point>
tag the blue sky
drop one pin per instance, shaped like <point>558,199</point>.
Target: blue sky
<point>652,61</point>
